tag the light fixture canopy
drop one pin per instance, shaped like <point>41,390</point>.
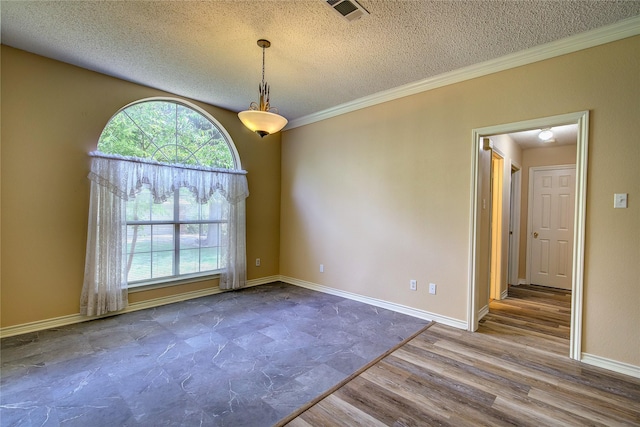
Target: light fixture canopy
<point>261,117</point>
<point>545,134</point>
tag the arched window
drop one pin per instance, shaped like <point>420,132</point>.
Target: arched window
<point>167,203</point>
<point>169,131</point>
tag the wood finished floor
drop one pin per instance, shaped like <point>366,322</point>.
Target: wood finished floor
<point>514,371</point>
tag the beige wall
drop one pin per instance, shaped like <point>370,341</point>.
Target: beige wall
<point>382,195</point>
<point>548,156</point>
<point>52,116</point>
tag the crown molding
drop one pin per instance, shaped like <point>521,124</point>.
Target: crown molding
<point>626,28</point>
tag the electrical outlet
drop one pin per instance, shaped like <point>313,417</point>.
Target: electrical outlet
<point>432,288</point>
<point>257,262</point>
<point>413,285</point>
<point>321,268</point>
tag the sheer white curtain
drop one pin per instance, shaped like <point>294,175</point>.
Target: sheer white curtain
<point>114,180</point>
<point>234,251</point>
<point>105,278</point>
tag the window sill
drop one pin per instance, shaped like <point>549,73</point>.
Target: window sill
<point>165,283</point>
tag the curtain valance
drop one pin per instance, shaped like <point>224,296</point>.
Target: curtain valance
<point>116,179</point>
<point>125,176</point>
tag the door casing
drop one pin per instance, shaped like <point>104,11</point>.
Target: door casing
<point>582,120</point>
<point>514,224</point>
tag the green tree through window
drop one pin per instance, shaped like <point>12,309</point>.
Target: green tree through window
<point>178,237</point>
<point>168,132</point>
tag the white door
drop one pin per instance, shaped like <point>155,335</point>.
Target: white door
<point>551,225</point>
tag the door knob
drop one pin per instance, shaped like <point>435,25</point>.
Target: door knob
<point>535,234</point>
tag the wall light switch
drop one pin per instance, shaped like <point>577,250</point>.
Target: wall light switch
<point>620,200</point>
<point>432,288</point>
<point>321,268</point>
<point>413,285</point>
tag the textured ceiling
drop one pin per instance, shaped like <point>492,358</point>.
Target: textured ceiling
<point>206,50</point>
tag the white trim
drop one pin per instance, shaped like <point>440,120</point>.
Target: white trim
<point>577,293</point>
<point>156,302</point>
<point>421,314</point>
<point>263,281</point>
<point>626,28</point>
<point>522,281</point>
<point>497,151</point>
<point>504,294</point>
<point>483,312</point>
<point>41,325</point>
<point>515,197</point>
<point>57,322</point>
<point>582,120</point>
<point>472,312</point>
<point>611,365</point>
<point>590,359</point>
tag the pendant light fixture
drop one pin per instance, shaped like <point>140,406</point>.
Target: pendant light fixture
<point>261,117</point>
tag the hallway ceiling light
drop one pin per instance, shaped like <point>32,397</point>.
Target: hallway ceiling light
<point>261,118</point>
<point>545,135</point>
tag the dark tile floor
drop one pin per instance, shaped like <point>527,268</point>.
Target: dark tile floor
<point>244,358</point>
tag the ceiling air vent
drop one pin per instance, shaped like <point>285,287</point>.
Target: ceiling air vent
<point>349,9</point>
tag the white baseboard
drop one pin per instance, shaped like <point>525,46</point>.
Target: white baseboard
<point>263,281</point>
<point>601,362</point>
<point>57,322</point>
<point>41,325</point>
<point>522,282</point>
<point>421,314</point>
<point>504,294</point>
<point>612,365</point>
<point>483,312</point>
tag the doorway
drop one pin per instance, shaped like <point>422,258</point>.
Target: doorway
<point>475,303</point>
<point>497,182</point>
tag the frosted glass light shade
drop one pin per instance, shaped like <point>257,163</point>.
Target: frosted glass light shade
<point>545,135</point>
<point>262,122</point>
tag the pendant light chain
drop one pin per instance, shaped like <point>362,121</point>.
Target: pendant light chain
<point>263,48</point>
<point>264,104</point>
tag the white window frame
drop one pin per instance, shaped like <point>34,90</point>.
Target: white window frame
<point>177,279</point>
